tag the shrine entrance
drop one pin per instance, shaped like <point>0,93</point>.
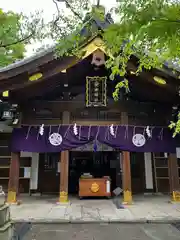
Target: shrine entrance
<point>97,164</point>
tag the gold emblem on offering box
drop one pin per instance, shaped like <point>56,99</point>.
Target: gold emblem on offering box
<point>95,188</point>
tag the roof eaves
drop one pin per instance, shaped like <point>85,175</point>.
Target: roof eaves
<point>43,53</point>
<point>27,60</point>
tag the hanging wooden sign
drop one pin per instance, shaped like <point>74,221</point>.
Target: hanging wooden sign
<point>96,91</point>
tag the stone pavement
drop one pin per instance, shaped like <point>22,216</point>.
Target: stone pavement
<point>102,231</point>
<point>145,209</point>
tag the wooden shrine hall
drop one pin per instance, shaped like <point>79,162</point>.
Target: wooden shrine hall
<point>69,135</point>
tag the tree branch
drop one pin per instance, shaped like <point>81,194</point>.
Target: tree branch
<point>72,10</point>
<point>165,20</point>
<point>55,22</point>
<point>16,42</point>
<point>57,19</point>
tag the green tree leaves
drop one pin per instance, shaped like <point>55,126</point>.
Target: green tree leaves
<point>9,33</point>
<point>16,30</point>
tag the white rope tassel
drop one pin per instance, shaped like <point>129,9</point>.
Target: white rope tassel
<point>161,134</point>
<point>112,130</point>
<point>148,132</point>
<point>75,129</point>
<point>126,132</point>
<point>41,130</point>
<point>28,132</point>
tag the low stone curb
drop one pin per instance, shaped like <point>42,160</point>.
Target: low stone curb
<point>77,221</point>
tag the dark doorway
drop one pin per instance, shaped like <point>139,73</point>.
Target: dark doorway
<point>49,177</point>
<point>137,172</point>
<point>98,164</point>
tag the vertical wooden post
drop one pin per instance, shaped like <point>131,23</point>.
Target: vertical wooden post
<point>126,166</point>
<point>127,192</point>
<point>64,176</point>
<point>13,186</point>
<point>64,166</point>
<point>173,175</point>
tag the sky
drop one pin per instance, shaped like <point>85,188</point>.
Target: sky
<point>48,7</point>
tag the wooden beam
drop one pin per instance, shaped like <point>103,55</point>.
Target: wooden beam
<point>147,76</point>
<point>141,113</point>
<point>130,106</point>
<point>13,186</point>
<point>12,84</point>
<point>126,166</point>
<point>38,89</point>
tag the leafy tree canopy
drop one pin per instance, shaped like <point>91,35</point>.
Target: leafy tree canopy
<point>143,27</point>
<point>149,27</point>
<point>16,30</point>
<point>9,31</point>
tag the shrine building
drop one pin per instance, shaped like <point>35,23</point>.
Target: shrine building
<point>62,133</point>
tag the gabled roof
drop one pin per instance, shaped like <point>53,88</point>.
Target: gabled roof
<point>15,77</point>
<point>47,55</point>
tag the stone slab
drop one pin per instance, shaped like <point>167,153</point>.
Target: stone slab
<point>150,209</point>
<point>4,214</point>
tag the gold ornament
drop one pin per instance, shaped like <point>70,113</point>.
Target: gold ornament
<point>35,76</point>
<point>159,80</point>
<point>63,196</point>
<point>5,94</point>
<point>176,196</point>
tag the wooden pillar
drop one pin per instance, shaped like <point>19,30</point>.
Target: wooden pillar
<point>13,186</point>
<point>126,167</point>
<point>64,166</point>
<point>127,192</point>
<point>173,176</point>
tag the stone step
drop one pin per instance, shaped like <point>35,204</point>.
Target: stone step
<point>6,232</point>
<point>4,215</point>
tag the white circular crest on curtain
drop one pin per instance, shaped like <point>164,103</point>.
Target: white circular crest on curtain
<point>138,140</point>
<point>55,139</point>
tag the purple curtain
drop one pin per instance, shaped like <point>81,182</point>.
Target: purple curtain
<point>59,138</point>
